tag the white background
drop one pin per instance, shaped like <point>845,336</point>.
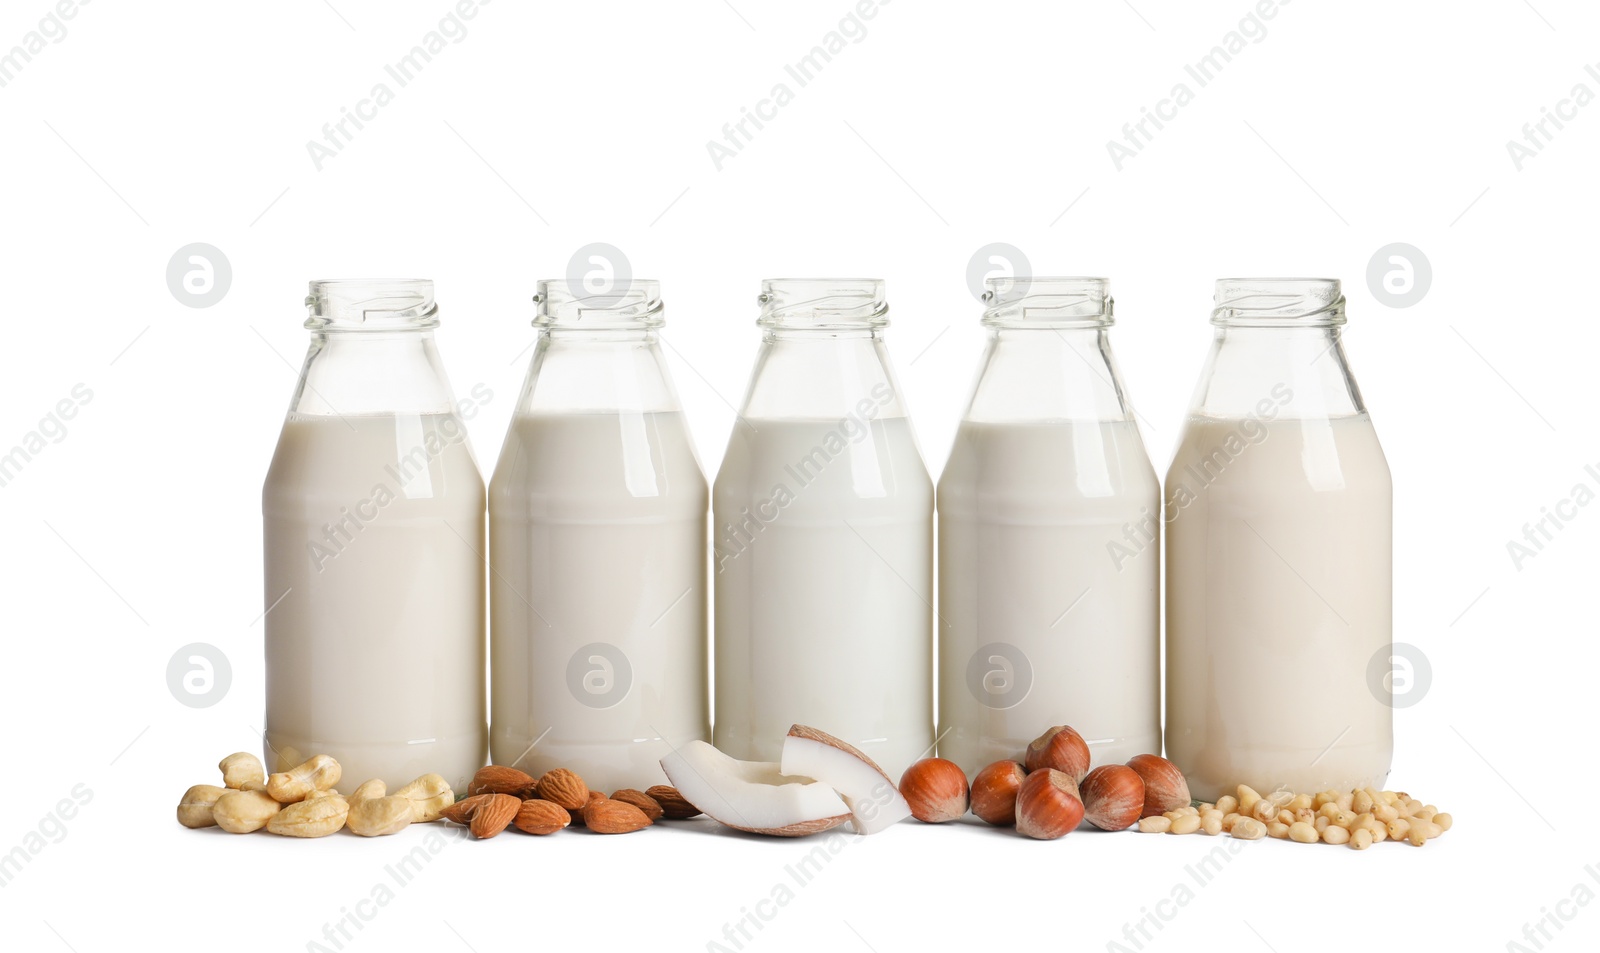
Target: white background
<point>1347,127</point>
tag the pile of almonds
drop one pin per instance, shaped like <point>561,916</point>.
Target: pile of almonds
<point>1357,818</point>
<point>302,802</point>
<point>501,797</point>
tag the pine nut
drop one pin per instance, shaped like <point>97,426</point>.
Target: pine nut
<point>1417,837</point>
<point>1187,824</point>
<point>1248,828</point>
<point>1247,799</point>
<point>1286,816</point>
<point>1278,829</point>
<point>1398,828</point>
<point>1322,824</point>
<point>1344,819</point>
<point>1264,811</point>
<point>1443,821</point>
<point>1361,839</point>
<point>1302,833</point>
<point>1326,797</point>
<point>1227,804</point>
<point>1335,835</point>
<point>1362,803</point>
<point>1346,801</point>
<point>1211,824</point>
<point>1228,820</point>
<point>1385,813</point>
<point>1299,803</point>
<point>1155,825</point>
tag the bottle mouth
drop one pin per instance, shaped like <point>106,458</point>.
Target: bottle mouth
<point>364,304</point>
<point>823,304</point>
<point>1278,303</point>
<point>1025,301</point>
<point>635,306</point>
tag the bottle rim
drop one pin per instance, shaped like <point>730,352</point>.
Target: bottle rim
<point>371,304</point>
<point>635,305</point>
<point>1048,302</point>
<point>823,304</point>
<point>1278,303</point>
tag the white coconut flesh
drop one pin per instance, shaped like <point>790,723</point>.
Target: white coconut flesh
<point>874,801</point>
<point>753,796</point>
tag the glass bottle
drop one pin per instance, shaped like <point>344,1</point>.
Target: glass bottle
<point>823,537</point>
<point>597,515</point>
<point>1278,513</point>
<point>1049,540</point>
<point>373,518</point>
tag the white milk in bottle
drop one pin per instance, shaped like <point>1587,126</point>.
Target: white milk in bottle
<point>822,538</point>
<point>597,517</point>
<point>373,520</point>
<point>1279,593</point>
<point>1049,540</point>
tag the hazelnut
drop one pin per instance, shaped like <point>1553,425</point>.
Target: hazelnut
<point>994,792</point>
<point>935,789</point>
<point>1048,805</point>
<point>1164,786</point>
<point>1060,748</point>
<point>1113,797</point>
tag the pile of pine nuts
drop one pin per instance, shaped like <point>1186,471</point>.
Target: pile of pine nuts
<point>1358,819</point>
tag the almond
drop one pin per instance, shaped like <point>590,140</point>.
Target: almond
<point>577,815</point>
<point>495,779</point>
<point>605,816</point>
<point>538,816</point>
<point>564,788</point>
<point>484,814</point>
<point>673,805</point>
<point>644,802</point>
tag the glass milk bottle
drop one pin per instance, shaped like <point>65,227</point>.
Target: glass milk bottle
<point>822,538</point>
<point>597,516</point>
<point>1278,513</point>
<point>1049,540</point>
<point>373,518</point>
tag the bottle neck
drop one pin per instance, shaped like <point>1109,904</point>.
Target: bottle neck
<point>372,372</point>
<point>576,371</point>
<point>1294,372</point>
<point>1046,374</point>
<point>822,374</point>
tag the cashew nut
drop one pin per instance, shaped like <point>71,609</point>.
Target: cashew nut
<point>314,817</point>
<point>195,808</point>
<point>429,796</point>
<point>242,771</point>
<point>318,774</point>
<point>240,812</point>
<point>373,814</point>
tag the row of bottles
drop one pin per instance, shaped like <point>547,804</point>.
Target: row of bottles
<point>822,543</point>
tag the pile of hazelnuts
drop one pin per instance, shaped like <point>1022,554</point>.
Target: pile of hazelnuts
<point>1050,792</point>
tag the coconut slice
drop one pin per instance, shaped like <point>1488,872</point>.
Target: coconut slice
<point>874,801</point>
<point>753,796</point>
